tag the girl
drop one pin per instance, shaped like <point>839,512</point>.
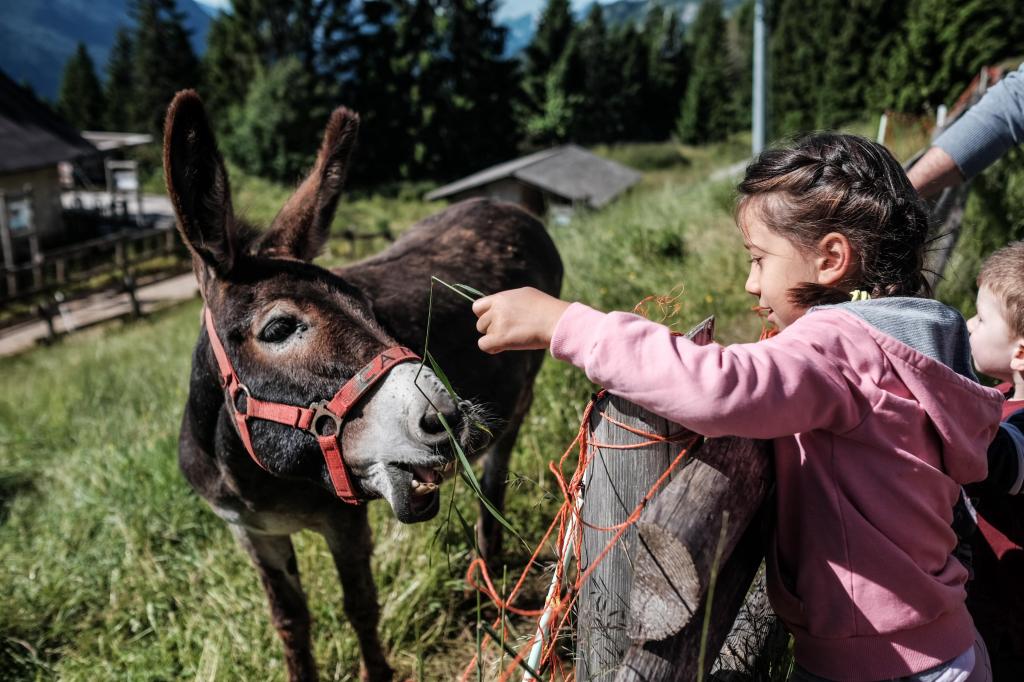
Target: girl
<point>874,412</point>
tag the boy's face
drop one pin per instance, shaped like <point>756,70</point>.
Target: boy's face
<point>997,352</point>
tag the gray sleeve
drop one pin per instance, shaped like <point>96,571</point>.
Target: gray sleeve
<point>989,128</point>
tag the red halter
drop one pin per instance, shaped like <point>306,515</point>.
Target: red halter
<point>323,419</point>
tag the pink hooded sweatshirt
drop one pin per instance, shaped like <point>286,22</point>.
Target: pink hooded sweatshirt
<point>872,442</point>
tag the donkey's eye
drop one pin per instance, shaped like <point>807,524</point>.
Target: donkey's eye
<point>279,329</point>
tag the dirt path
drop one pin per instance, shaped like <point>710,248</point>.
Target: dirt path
<point>99,308</point>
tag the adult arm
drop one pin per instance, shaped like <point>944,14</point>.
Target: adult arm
<point>977,140</point>
<point>934,172</point>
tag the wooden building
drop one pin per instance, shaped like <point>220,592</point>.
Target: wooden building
<point>551,181</point>
<point>33,140</point>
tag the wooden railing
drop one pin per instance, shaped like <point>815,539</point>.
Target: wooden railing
<point>116,263</point>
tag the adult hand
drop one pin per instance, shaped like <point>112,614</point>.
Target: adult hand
<point>518,319</point>
<point>934,172</point>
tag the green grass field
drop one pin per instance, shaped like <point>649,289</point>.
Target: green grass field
<point>113,569</point>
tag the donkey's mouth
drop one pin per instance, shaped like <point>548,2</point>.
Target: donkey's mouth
<point>416,491</point>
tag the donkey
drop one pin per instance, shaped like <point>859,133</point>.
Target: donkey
<point>303,402</point>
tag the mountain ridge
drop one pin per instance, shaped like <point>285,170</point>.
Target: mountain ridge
<point>37,37</point>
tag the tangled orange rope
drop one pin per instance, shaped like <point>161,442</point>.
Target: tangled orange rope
<point>568,521</point>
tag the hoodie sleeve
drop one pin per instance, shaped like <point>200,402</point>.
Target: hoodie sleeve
<point>1005,460</point>
<point>774,388</point>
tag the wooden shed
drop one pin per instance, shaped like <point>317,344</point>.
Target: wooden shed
<point>554,180</point>
<point>33,140</point>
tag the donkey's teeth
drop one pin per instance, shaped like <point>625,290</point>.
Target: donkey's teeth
<point>420,488</point>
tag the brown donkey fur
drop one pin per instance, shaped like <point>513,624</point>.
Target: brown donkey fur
<point>295,332</point>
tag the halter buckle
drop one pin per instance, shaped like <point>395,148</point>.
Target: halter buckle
<point>239,389</point>
<point>324,422</point>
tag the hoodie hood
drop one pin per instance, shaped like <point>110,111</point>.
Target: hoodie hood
<point>927,344</point>
<point>929,327</point>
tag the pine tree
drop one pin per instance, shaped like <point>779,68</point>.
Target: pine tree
<point>119,91</point>
<point>705,115</point>
<point>741,67</point>
<point>628,110</point>
<point>799,55</point>
<point>868,32</point>
<point>80,100</point>
<point>601,85</point>
<point>381,92</point>
<point>945,45</point>
<point>420,77</point>
<point>274,133</point>
<point>554,26</point>
<point>564,99</point>
<point>668,68</point>
<point>164,61</point>
<point>478,89</point>
<point>256,34</point>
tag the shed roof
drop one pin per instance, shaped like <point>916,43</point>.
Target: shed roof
<point>106,141</point>
<point>31,134</point>
<point>569,171</point>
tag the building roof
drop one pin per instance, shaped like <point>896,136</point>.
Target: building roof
<point>569,172</point>
<point>106,141</point>
<point>31,134</point>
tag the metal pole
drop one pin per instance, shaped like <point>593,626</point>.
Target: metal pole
<point>758,113</point>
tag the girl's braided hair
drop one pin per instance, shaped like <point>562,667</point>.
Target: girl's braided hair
<point>830,182</point>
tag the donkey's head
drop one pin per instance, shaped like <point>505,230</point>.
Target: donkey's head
<point>295,333</point>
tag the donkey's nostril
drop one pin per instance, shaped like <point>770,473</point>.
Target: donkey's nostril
<point>432,424</point>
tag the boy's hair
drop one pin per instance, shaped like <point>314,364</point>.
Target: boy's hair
<point>830,182</point>
<point>1003,274</point>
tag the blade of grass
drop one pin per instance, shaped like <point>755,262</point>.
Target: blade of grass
<point>706,625</point>
<point>508,650</point>
<point>466,471</point>
<point>456,290</point>
<point>467,529</point>
<point>466,287</point>
<point>442,376</point>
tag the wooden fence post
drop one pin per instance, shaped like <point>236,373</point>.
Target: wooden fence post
<point>640,615</point>
<point>709,525</point>
<point>615,483</point>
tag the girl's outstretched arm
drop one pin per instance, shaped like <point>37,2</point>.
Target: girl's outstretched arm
<point>766,390</point>
<point>786,385</point>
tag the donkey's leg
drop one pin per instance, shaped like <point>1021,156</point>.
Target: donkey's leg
<point>351,543</point>
<point>493,482</point>
<point>274,558</point>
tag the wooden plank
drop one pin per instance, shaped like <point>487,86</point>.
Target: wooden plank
<point>700,515</point>
<point>615,484</point>
<point>677,657</point>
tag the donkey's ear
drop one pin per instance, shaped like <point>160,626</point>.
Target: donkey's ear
<point>197,183</point>
<point>302,226</point>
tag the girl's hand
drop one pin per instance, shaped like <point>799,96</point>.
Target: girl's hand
<point>518,319</point>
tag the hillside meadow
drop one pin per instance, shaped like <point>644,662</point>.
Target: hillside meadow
<point>113,569</point>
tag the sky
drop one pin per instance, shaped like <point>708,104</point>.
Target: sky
<point>509,8</point>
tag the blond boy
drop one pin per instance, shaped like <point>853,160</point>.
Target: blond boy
<point>995,596</point>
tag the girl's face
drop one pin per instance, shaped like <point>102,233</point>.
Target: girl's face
<point>776,266</point>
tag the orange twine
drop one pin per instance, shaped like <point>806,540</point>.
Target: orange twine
<point>566,592</point>
<point>568,520</point>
